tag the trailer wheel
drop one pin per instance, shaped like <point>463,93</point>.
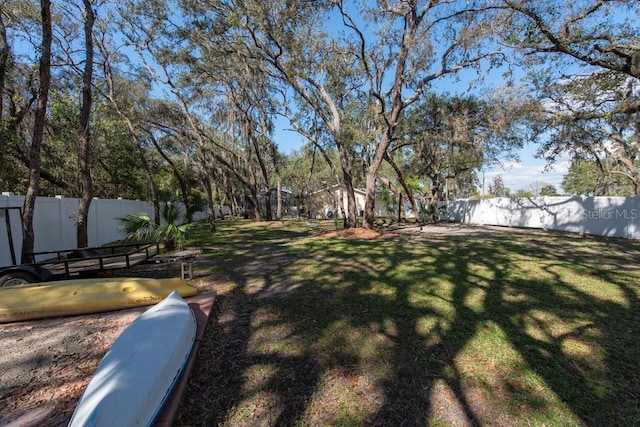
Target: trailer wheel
<point>16,278</point>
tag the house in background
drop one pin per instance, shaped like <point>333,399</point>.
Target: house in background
<point>331,202</point>
<point>289,203</point>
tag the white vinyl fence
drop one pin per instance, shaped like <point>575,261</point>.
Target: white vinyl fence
<point>54,223</point>
<point>604,216</point>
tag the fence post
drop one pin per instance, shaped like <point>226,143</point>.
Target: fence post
<point>633,230</point>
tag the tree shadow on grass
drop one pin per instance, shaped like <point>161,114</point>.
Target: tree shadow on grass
<point>411,332</point>
<point>577,338</point>
<point>234,381</point>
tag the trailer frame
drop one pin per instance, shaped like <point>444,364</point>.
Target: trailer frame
<point>71,263</point>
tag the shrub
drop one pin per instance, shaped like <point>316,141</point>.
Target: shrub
<point>171,231</point>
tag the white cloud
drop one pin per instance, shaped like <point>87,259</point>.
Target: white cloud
<point>519,175</point>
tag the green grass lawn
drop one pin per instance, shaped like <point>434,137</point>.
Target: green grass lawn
<point>504,328</point>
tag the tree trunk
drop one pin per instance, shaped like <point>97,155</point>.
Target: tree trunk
<point>267,201</point>
<point>184,189</point>
<point>372,174</point>
<point>263,172</point>
<point>4,62</point>
<point>84,150</point>
<point>256,204</point>
<point>436,195</point>
<point>153,187</point>
<point>279,197</point>
<point>211,210</point>
<point>276,169</point>
<point>404,185</point>
<point>628,162</point>
<point>44,72</point>
<point>370,201</point>
<point>351,216</point>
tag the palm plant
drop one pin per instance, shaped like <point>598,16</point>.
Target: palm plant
<point>170,231</point>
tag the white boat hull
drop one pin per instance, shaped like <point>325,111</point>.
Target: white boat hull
<point>138,373</point>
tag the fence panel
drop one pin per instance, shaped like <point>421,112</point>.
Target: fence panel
<point>54,222</point>
<point>604,216</point>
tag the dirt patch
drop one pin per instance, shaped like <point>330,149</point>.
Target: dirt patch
<point>355,233</point>
<point>449,229</point>
<point>45,365</point>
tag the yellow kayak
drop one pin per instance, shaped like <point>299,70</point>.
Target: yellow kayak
<point>84,296</point>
